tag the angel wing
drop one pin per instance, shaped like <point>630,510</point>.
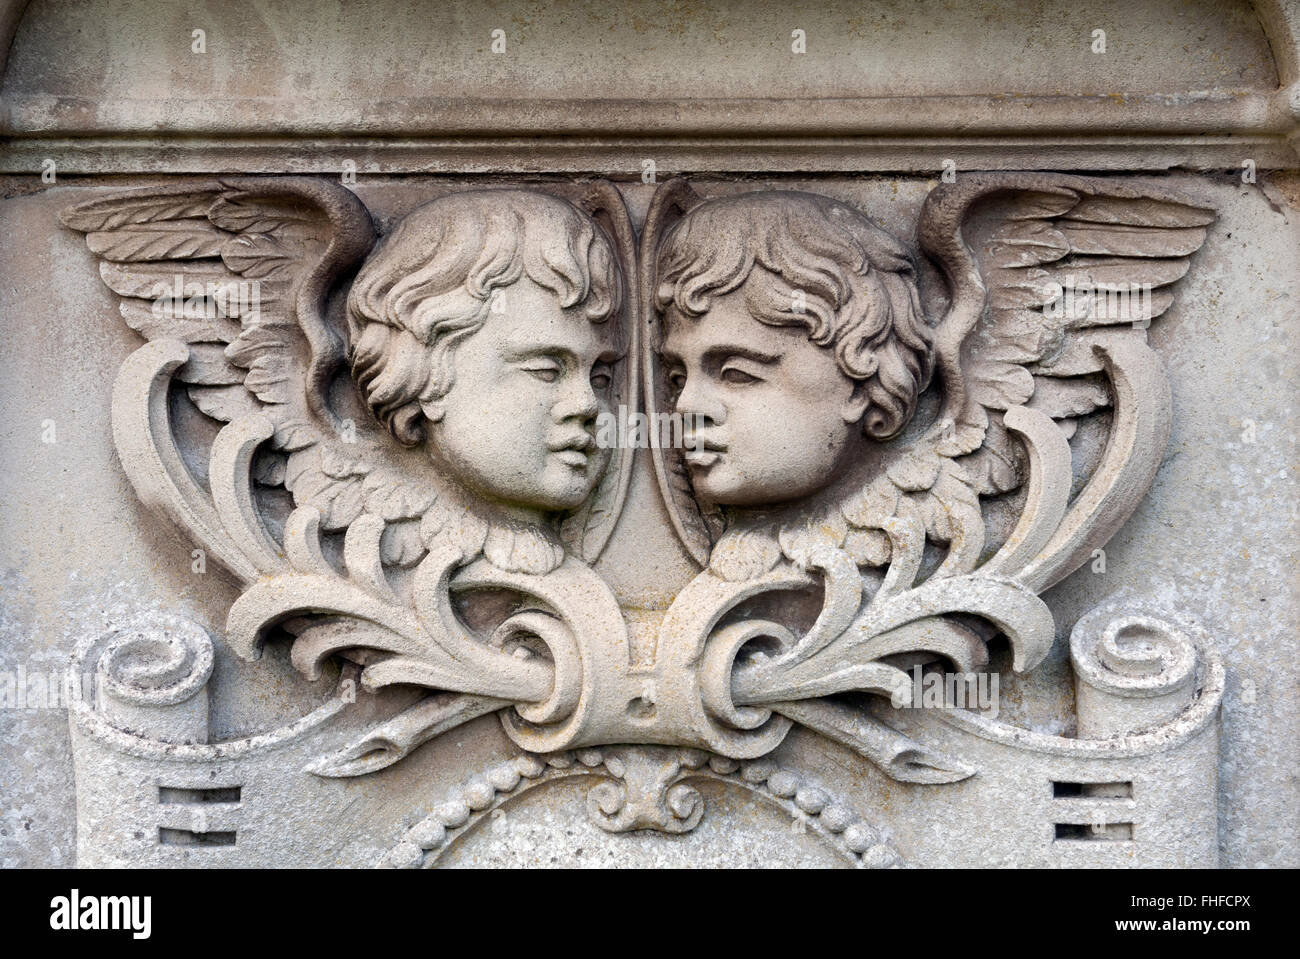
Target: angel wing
<point>1054,283</point>
<point>234,275</point>
<point>229,281</point>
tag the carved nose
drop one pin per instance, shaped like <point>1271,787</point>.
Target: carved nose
<point>578,400</point>
<point>696,402</point>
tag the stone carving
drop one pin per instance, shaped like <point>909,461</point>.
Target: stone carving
<point>156,790</point>
<point>787,332</point>
<point>484,338</point>
<point>617,805</point>
<point>410,473</point>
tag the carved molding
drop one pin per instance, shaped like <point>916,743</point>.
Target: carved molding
<point>642,788</point>
<point>1201,124</point>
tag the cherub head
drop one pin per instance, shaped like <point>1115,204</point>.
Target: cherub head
<point>479,328</point>
<point>793,337</point>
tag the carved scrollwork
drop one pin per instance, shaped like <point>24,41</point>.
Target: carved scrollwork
<point>889,523</point>
<point>424,405</point>
<point>159,663</point>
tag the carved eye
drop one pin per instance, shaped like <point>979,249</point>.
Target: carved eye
<point>738,377</point>
<point>600,380</point>
<point>548,371</point>
<point>677,380</point>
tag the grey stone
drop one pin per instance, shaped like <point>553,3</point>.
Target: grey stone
<point>872,494</point>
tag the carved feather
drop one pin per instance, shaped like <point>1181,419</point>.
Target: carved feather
<point>222,267</point>
<point>1058,259</point>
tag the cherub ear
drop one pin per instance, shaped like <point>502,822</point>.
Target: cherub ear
<point>857,403</point>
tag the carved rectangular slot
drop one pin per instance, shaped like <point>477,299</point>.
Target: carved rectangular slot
<point>1113,790</point>
<point>1110,832</point>
<point>171,794</point>
<point>183,837</point>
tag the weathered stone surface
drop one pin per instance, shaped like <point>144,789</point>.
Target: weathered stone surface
<point>620,517</point>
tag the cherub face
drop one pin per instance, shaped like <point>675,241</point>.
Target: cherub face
<point>769,417</point>
<point>518,424</point>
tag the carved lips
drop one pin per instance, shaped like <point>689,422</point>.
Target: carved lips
<point>701,452</point>
<point>574,451</point>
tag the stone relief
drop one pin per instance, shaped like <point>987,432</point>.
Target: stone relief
<point>789,327</point>
<point>411,472</point>
<point>481,339</point>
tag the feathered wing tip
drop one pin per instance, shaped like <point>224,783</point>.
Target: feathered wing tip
<point>236,273</point>
<point>1050,236</point>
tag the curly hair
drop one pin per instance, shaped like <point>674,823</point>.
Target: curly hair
<point>430,285</point>
<point>808,261</point>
